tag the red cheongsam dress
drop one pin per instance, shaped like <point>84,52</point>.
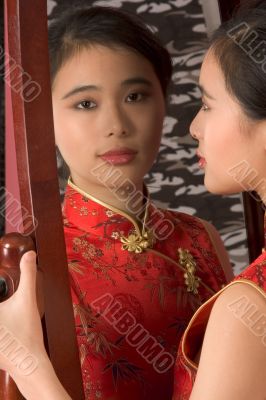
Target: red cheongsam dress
<point>135,286</point>
<point>190,344</point>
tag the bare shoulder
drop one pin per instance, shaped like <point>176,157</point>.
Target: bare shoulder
<point>243,304</point>
<point>233,358</point>
<point>220,249</point>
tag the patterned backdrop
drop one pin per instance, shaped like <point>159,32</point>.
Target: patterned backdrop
<point>175,181</point>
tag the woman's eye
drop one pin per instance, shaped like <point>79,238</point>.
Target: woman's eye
<point>86,105</point>
<point>135,97</point>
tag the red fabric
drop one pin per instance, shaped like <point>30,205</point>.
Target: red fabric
<point>185,371</point>
<point>131,309</point>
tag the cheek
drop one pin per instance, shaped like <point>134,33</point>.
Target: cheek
<point>152,137</point>
<point>61,127</point>
<point>69,132</point>
<point>149,137</point>
<point>224,149</point>
<point>152,124</point>
<point>221,139</point>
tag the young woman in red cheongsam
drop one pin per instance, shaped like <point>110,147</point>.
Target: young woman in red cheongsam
<point>138,273</point>
<point>231,130</point>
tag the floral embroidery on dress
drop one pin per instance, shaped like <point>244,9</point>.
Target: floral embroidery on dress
<point>74,266</point>
<point>188,262</point>
<point>185,373</point>
<point>146,285</point>
<point>136,243</point>
<point>115,235</point>
<point>92,333</point>
<point>88,249</point>
<point>84,211</point>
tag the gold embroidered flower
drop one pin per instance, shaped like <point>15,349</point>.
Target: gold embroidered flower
<point>137,243</point>
<point>187,261</point>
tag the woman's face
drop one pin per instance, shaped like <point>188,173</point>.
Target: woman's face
<point>232,148</point>
<point>108,108</point>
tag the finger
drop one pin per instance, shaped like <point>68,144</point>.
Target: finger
<point>39,291</point>
<point>28,269</point>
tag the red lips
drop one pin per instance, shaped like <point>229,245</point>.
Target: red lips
<point>120,151</point>
<point>202,162</point>
<point>119,156</point>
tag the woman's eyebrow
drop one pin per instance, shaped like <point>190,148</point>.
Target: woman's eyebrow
<point>80,89</point>
<point>205,93</point>
<point>127,82</point>
<point>136,80</point>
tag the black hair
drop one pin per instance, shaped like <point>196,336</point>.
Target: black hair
<point>239,46</point>
<point>85,26</point>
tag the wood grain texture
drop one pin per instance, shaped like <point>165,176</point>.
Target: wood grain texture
<point>38,182</point>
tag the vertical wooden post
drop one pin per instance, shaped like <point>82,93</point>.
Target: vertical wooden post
<point>30,91</point>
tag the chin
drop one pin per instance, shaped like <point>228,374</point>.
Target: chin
<point>221,188</point>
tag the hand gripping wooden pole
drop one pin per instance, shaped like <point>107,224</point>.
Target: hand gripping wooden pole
<point>27,70</point>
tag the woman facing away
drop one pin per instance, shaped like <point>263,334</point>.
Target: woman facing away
<point>137,273</point>
<point>231,131</point>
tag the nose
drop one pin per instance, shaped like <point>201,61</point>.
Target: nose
<point>193,133</point>
<point>194,129</point>
<point>116,122</point>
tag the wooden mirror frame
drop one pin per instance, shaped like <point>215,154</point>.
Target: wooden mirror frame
<point>29,121</point>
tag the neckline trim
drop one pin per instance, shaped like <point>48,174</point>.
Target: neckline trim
<point>140,231</point>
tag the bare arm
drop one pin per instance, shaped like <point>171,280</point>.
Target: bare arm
<point>233,359</point>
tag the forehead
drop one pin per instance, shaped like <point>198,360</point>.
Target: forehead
<point>102,64</point>
<point>213,81</point>
<point>210,73</point>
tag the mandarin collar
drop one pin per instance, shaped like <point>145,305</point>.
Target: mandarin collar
<point>98,218</point>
